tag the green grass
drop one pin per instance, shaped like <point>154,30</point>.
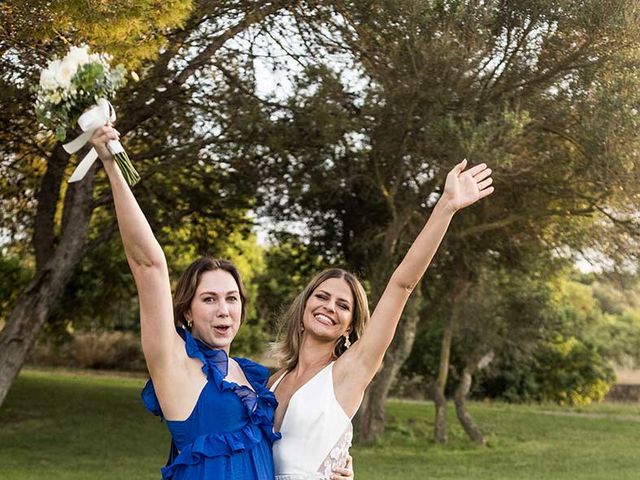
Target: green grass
<point>65,425</point>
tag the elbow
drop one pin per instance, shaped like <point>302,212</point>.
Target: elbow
<point>408,287</point>
<point>405,284</point>
<point>147,259</point>
<point>143,263</point>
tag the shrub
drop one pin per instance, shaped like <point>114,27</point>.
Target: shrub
<point>100,349</point>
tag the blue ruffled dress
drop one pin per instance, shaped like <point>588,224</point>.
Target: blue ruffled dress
<point>229,434</point>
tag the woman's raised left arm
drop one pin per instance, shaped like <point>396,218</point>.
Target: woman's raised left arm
<point>462,188</point>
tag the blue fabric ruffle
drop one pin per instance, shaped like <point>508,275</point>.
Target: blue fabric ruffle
<point>259,404</point>
<point>214,445</point>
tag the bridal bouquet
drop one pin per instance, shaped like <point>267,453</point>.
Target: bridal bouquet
<point>74,90</point>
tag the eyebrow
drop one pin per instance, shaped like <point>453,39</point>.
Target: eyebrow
<point>218,293</point>
<point>339,298</point>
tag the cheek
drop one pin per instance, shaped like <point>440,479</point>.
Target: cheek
<point>237,311</point>
<point>311,305</point>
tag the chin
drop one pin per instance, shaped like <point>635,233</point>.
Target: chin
<point>213,342</point>
<point>325,333</point>
<point>220,342</point>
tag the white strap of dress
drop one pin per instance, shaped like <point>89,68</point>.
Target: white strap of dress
<point>275,384</point>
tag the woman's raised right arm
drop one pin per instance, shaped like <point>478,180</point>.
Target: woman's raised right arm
<point>146,260</point>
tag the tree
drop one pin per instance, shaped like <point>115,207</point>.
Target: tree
<point>540,90</point>
<point>164,144</point>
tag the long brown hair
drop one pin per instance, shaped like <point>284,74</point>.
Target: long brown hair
<point>287,346</point>
<point>190,279</point>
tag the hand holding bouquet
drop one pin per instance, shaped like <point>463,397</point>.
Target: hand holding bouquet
<point>76,89</point>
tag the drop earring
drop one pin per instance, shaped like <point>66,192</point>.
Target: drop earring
<point>347,342</point>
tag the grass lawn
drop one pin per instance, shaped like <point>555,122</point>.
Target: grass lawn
<point>65,425</point>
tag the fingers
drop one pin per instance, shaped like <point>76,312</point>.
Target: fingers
<point>341,474</point>
<point>484,184</point>
<point>482,174</point>
<point>342,471</point>
<point>486,192</point>
<point>460,166</point>
<point>477,169</point>
<point>104,134</point>
<point>345,473</point>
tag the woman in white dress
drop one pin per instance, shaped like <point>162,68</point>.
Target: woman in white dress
<point>330,350</point>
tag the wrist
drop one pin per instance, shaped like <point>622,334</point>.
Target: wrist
<point>445,206</point>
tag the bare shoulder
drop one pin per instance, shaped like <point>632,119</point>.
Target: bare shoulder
<point>274,378</point>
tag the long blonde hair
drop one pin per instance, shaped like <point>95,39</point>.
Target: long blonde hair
<point>287,346</point>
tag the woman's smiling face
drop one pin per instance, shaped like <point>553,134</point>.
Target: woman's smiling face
<point>329,310</point>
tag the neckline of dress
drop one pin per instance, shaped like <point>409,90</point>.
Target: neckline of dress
<point>219,360</point>
<point>301,387</point>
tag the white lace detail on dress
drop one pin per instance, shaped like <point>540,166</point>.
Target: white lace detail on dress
<point>299,477</point>
<point>338,455</point>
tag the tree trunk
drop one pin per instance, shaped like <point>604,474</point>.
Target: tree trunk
<point>370,421</point>
<point>439,398</point>
<point>47,198</point>
<point>43,293</point>
<point>56,260</point>
<point>440,432</point>
<point>461,395</point>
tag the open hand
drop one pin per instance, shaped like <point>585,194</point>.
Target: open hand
<point>465,188</point>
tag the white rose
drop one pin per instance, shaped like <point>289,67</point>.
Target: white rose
<point>48,80</point>
<point>78,56</point>
<point>96,58</point>
<point>65,73</point>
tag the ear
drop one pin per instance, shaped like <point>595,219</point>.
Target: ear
<point>187,315</point>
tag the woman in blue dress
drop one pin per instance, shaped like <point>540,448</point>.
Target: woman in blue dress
<point>217,408</point>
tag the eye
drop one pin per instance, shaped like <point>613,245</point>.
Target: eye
<point>321,296</point>
<point>232,299</point>
<point>208,299</point>
<point>344,306</point>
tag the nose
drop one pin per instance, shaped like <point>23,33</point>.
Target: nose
<point>223,309</point>
<point>330,305</point>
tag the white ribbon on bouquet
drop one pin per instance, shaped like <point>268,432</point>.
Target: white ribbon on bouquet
<point>89,122</point>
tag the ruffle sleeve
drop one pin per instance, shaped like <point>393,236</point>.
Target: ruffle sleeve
<point>150,399</point>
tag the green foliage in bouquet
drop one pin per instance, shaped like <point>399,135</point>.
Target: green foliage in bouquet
<point>70,86</point>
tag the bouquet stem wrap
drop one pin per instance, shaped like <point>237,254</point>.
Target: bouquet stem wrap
<point>89,122</point>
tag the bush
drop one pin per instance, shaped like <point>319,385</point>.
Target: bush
<point>101,350</point>
<point>567,371</point>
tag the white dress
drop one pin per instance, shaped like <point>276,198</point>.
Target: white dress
<point>316,431</point>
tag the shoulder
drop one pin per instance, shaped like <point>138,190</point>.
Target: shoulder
<point>254,372</point>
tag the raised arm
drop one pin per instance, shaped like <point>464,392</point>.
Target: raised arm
<point>462,188</point>
<point>146,260</point>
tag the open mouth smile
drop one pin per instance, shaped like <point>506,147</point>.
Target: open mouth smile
<point>324,319</point>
